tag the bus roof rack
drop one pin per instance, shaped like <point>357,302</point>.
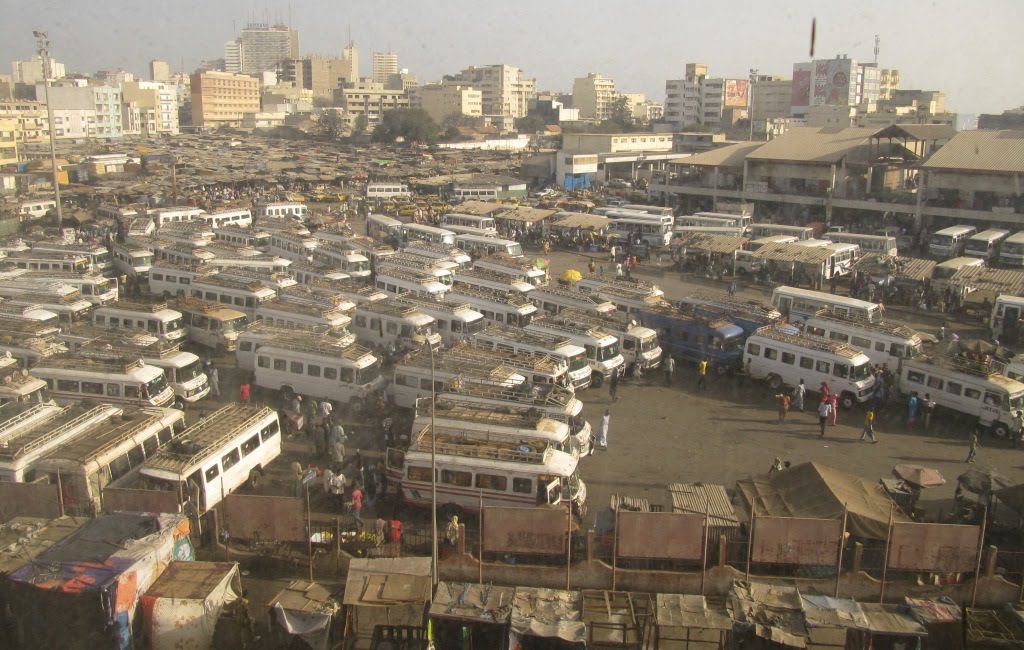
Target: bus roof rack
<point>808,341</point>
<point>200,440</point>
<point>523,451</point>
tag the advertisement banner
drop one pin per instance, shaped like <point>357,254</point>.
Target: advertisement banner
<point>736,93</point>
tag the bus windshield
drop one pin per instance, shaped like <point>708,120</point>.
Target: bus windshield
<point>172,325</point>
<point>476,326</point>
<point>578,362</point>
<point>190,371</point>
<point>608,352</point>
<point>515,250</point>
<point>649,343</point>
<point>156,385</point>
<point>233,325</point>
<point>1017,401</point>
<point>863,371</point>
<point>941,240</point>
<point>368,374</point>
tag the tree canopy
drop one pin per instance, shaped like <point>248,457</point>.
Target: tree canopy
<point>410,124</point>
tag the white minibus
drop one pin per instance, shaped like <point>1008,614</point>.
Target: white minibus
<point>986,244</point>
<point>650,231</point>
<point>967,387</point>
<point>42,321</point>
<point>553,299</point>
<point>132,382</point>
<point>382,323</point>
<point>97,254</point>
<point>241,218</point>
<point>228,448</point>
<point>487,279</point>
<point>761,230</point>
<point>338,257</point>
<point>412,380</point>
<point>306,272</point>
<point>440,269</point>
<point>950,242</point>
<point>259,334</point>
<point>496,306</point>
<point>797,304</point>
<point>412,232</point>
<point>884,342</point>
<point>396,280</point>
<point>282,210</point>
<point>211,324</point>
<point>43,260</point>
<point>535,368</point>
<point>239,236</point>
<point>659,210</point>
<point>942,274</point>
<point>508,338</point>
<point>470,224</point>
<point>516,267</point>
<point>386,190</point>
<point>521,423</point>
<point>783,356</point>
<point>602,347</point>
<point>479,245</point>
<point>110,450</point>
<point>877,244</point>
<point>155,319</point>
<point>162,216</point>
<point>449,252</point>
<point>305,363</point>
<point>1011,253</point>
<point>35,209</point>
<point>639,345</point>
<point>95,288</point>
<point>454,322</point>
<point>132,261</point>
<point>297,248</point>
<point>383,228</point>
<point>244,296</point>
<point>301,315</point>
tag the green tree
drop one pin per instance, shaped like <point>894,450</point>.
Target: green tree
<point>329,125</point>
<point>530,124</point>
<point>360,124</point>
<point>410,124</point>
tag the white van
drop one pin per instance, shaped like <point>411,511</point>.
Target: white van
<point>602,347</point>
<point>386,190</point>
<point>397,280</point>
<point>226,449</point>
<point>950,242</point>
<point>884,342</point>
<point>417,232</point>
<point>986,244</point>
<point>516,340</point>
<point>259,334</point>
<point>1006,319</point>
<point>210,324</point>
<point>966,387</point>
<point>241,218</point>
<point>553,299</point>
<point>761,230</point>
<point>639,345</point>
<point>877,244</point>
<point>383,228</point>
<point>521,423</point>
<point>286,313</point>
<point>283,210</point>
<point>495,305</point>
<point>154,319</point>
<point>783,357</point>
<point>516,267</point>
<point>413,375</point>
<point>126,381</point>
<point>449,252</point>
<point>797,304</point>
<point>35,209</point>
<point>481,245</point>
<point>381,323</point>
<point>1011,253</point>
<point>470,224</point>
<point>454,322</point>
<point>304,363</point>
<point>943,272</point>
<point>439,269</point>
<point>487,279</point>
<point>337,257</point>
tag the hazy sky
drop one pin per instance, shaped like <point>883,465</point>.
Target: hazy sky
<point>971,51</point>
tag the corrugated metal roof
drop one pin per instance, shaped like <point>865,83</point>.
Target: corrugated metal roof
<point>793,253</point>
<point>808,144</point>
<point>709,242</point>
<point>902,268</point>
<point>579,220</point>
<point>981,278</point>
<point>918,131</point>
<point>478,208</point>
<point>730,156</point>
<point>693,498</point>
<point>981,151</point>
<point>526,215</point>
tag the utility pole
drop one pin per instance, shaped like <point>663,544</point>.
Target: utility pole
<point>750,93</point>
<point>43,49</point>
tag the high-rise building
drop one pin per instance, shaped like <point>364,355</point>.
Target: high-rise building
<point>320,74</point>
<point>222,98</point>
<point>31,72</point>
<point>506,91</point>
<point>442,100</point>
<point>771,99</point>
<point>384,64</point>
<point>888,83</point>
<point>369,99</point>
<point>81,111</point>
<point>594,95</point>
<point>834,82</point>
<point>402,80</point>
<point>159,70</point>
<point>351,55</point>
<point>261,47</point>
<point>701,100</point>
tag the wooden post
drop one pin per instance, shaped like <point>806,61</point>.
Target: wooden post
<point>977,564</point>
<point>750,541</point>
<point>568,544</point>
<point>885,562</point>
<point>704,559</point>
<point>309,535</point>
<point>60,493</point>
<point>615,545</point>
<point>480,545</point>
<point>842,543</point>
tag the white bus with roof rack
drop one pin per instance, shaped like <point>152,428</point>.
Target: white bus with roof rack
<point>246,296</point>
<point>174,214</point>
<point>418,232</point>
<point>515,423</point>
<point>259,334</point>
<point>381,323</point>
<point>884,342</point>
<point>797,304</point>
<point>638,344</point>
<point>877,244</point>
<point>553,299</point>
<point>508,338</point>
<point>239,218</point>
<point>62,299</point>
<point>297,248</point>
<point>108,451</point>
<point>488,279</point>
<point>43,260</point>
<point>386,190</point>
<point>28,347</point>
<point>414,373</point>
<point>156,319</point>
<point>986,244</point>
<point>1011,253</point>
<point>211,324</point>
<point>269,279</point>
<point>440,251</point>
<point>335,256</point>
<point>17,385</point>
<point>30,314</point>
<point>516,267</point>
<point>132,260</point>
<point>97,254</point>
<point>437,269</point>
<point>469,224</point>
<point>307,272</point>
<point>488,470</point>
<point>304,363</point>
<point>454,322</point>
<point>537,368</point>
<point>973,388</point>
<point>228,448</point>
<point>396,280</point>
<point>96,288</point>
<point>383,228</point>
<point>177,253</point>
<point>783,356</point>
<point>184,370</point>
<point>481,245</point>
<point>122,381</point>
<point>35,431</point>
<point>602,347</point>
<point>495,305</point>
<point>283,210</point>
<point>286,313</point>
<point>762,230</point>
<point>714,220</point>
<point>227,256</point>
<point>950,242</point>
<point>191,233</point>
<point>239,236</point>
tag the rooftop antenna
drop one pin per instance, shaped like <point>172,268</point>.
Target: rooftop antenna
<point>878,40</point>
<point>350,35</point>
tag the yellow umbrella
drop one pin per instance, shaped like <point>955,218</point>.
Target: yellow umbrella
<point>572,275</point>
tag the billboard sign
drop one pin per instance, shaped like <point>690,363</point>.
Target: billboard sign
<point>736,93</point>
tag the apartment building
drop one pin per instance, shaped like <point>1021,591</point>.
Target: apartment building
<point>834,82</point>
<point>384,64</point>
<point>153,107</point>
<point>703,100</point>
<point>31,72</point>
<point>402,80</point>
<point>264,47</point>
<point>595,97</point>
<point>770,99</point>
<point>9,136</point>
<point>442,100</point>
<point>159,71</point>
<point>222,98</point>
<point>369,99</point>
<point>81,111</point>
<point>320,74</point>
<point>505,89</point>
<point>31,119</point>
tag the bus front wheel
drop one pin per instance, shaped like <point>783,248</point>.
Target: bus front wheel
<point>255,477</point>
<point>1000,430</point>
<point>596,380</point>
<point>848,400</point>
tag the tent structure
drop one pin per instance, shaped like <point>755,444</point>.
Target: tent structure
<point>821,492</point>
<point>181,608</point>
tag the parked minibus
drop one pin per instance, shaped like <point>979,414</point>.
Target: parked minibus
<point>383,323</point>
<point>521,423</point>
<point>1011,253</point>
<point>339,257</point>
<point>783,356</point>
<point>449,252</point>
<point>986,244</point>
<point>412,380</point>
<point>602,348</point>
<point>944,271</point>
<point>244,296</point>
<point>207,461</point>
<point>469,224</point>
<point>155,319</point>
<point>210,324</point>
<point>125,381</point>
<point>386,190</point>
<point>483,278</point>
<point>761,230</point>
<point>651,231</point>
<point>508,338</point>
<point>282,211</point>
<point>639,345</point>
<point>453,321</point>
<point>950,242</point>
<point>239,236</point>
<point>884,342</point>
<point>92,286</point>
<point>496,306</point>
<point>318,365</point>
<point>97,255</point>
<point>800,304</point>
<point>553,299</point>
<point>877,244</point>
<point>35,209</point>
<point>383,228</point>
<point>412,232</point>
<point>301,315</point>
<point>479,245</point>
<point>516,267</point>
<point>240,218</point>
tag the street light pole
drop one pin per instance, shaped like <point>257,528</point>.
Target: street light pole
<point>43,49</point>
<point>750,94</point>
<point>433,475</point>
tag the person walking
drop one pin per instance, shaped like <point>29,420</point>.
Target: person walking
<point>245,392</point>
<point>613,386</point>
<point>824,410</point>
<point>1016,428</point>
<point>824,391</point>
<point>214,378</point>
<point>357,504</point>
<point>833,401</point>
<point>732,288</point>
<point>929,410</point>
<point>912,410</point>
<point>798,396</point>
<point>702,374</point>
<point>602,430</point>
<point>869,426</point>
<point>972,453</point>
<point>783,400</point>
<point>670,368</point>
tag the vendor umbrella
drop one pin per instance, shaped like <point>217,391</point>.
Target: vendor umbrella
<point>922,477</point>
<point>572,275</point>
<point>980,481</point>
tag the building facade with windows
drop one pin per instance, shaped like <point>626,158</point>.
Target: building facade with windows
<point>505,89</point>
<point>384,64</point>
<point>222,98</point>
<point>443,100</point>
<point>594,95</point>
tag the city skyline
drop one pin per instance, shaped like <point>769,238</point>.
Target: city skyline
<point>639,48</point>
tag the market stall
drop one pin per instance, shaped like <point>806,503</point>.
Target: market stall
<point>471,615</point>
